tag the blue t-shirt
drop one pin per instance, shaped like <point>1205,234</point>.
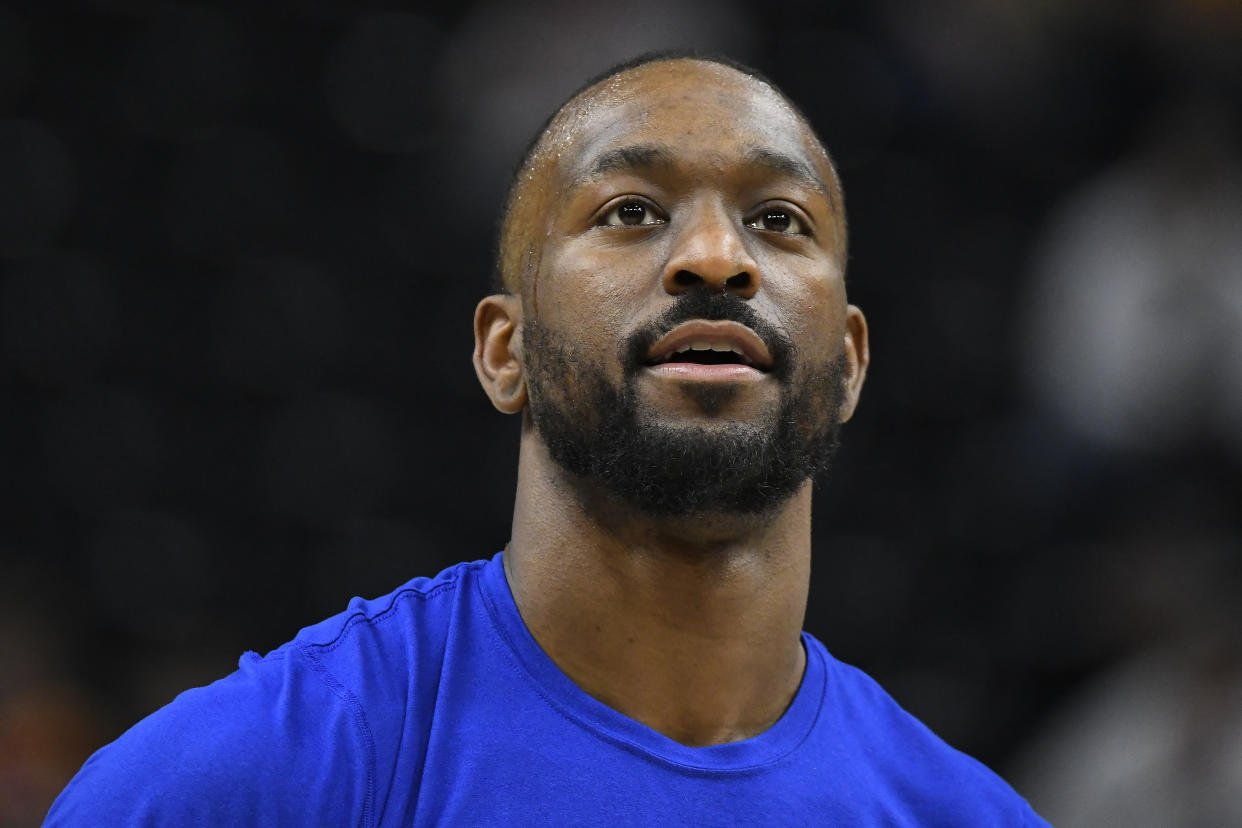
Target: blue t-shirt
<point>434,706</point>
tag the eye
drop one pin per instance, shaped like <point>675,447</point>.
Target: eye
<point>630,213</point>
<point>778,220</point>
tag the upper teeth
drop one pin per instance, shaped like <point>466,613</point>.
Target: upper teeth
<point>704,345</point>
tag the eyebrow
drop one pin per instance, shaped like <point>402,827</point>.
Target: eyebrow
<point>624,159</point>
<point>639,157</point>
<point>801,171</point>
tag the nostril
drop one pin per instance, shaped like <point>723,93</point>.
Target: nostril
<point>738,280</point>
<point>686,279</point>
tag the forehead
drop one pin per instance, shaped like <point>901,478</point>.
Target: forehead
<point>696,108</point>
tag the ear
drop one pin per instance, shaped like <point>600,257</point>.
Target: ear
<point>498,351</point>
<point>857,358</point>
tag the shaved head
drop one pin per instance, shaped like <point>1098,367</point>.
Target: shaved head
<point>533,185</point>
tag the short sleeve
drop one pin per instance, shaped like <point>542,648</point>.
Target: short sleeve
<point>278,742</point>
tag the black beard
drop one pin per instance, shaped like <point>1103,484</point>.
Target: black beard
<point>595,430</point>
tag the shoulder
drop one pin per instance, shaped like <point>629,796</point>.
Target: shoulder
<point>405,628</point>
<point>238,750</point>
<point>298,736</point>
<point>911,769</point>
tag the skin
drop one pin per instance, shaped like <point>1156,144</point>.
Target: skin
<point>690,625</point>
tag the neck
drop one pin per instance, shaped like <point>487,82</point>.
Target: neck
<point>689,625</point>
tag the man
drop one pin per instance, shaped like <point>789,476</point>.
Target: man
<point>675,333</point>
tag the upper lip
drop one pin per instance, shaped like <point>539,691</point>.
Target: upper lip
<point>723,335</point>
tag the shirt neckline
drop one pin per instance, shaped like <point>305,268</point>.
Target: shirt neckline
<point>560,691</point>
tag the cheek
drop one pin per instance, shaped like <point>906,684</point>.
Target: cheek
<point>595,296</point>
<point>812,311</point>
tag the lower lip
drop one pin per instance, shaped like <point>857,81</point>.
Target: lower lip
<point>728,372</point>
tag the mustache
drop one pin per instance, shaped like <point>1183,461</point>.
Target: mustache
<point>702,303</point>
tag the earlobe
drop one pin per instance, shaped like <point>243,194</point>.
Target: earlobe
<point>857,358</point>
<point>498,351</point>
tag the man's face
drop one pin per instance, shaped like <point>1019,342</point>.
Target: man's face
<point>685,327</point>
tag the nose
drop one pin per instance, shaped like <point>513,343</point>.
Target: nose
<point>709,250</point>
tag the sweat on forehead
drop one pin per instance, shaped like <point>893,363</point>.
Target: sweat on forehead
<point>527,204</point>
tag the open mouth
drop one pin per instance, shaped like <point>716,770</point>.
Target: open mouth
<point>711,342</point>
<point>706,353</point>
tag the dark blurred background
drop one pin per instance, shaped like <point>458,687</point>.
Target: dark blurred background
<point>240,246</point>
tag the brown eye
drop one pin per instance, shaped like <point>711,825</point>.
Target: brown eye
<point>632,213</point>
<point>777,220</point>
